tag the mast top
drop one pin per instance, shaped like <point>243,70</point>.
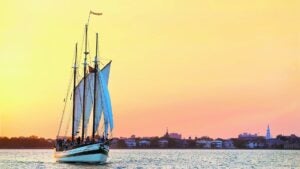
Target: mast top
<point>86,39</point>
<point>93,13</point>
<point>97,52</point>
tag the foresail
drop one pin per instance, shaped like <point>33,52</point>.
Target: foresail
<point>107,110</point>
<point>99,105</point>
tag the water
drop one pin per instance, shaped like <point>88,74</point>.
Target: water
<point>269,159</point>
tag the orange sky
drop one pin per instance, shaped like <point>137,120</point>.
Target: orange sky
<point>198,67</point>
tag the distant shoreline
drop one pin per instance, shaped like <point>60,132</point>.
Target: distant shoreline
<point>160,143</point>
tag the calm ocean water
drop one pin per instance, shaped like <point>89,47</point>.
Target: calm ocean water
<point>30,159</point>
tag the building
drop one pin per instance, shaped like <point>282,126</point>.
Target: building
<point>130,142</point>
<point>252,144</point>
<point>248,136</point>
<point>256,144</point>
<point>274,143</point>
<point>203,143</point>
<point>228,144</point>
<point>268,133</point>
<point>144,143</point>
<point>291,146</point>
<point>114,143</point>
<point>217,144</point>
<point>175,135</point>
<point>163,143</point>
<point>181,143</point>
<point>171,135</point>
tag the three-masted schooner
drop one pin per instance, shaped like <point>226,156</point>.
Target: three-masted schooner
<point>90,98</point>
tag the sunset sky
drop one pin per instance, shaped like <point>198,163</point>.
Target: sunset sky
<point>198,67</point>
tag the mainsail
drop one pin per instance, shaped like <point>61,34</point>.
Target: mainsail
<point>88,100</point>
<point>79,102</point>
<point>103,101</point>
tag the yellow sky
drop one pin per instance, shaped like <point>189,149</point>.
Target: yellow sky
<point>199,67</point>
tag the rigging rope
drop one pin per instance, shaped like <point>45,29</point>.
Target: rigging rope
<point>66,101</point>
<point>69,120</point>
<point>78,77</point>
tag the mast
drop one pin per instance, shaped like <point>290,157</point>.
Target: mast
<point>95,86</point>
<point>74,87</point>
<point>84,81</point>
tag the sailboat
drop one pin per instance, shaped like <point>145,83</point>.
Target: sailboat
<point>90,102</point>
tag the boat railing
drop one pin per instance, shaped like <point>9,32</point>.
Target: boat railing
<point>66,144</point>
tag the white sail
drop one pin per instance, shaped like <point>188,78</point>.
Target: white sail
<point>78,106</point>
<point>103,101</point>
<point>89,99</point>
<point>79,102</point>
<point>107,110</point>
<point>99,105</point>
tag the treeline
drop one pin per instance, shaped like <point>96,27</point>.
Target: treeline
<point>32,142</point>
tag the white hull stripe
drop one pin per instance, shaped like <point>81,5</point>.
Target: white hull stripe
<point>90,158</point>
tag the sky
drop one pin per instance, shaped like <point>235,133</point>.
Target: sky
<point>215,68</point>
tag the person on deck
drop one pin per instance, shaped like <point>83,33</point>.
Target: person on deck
<point>78,140</point>
<point>102,139</point>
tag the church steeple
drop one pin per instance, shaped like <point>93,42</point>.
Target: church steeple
<point>167,133</point>
<point>268,134</point>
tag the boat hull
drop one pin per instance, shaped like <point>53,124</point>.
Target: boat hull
<point>93,153</point>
